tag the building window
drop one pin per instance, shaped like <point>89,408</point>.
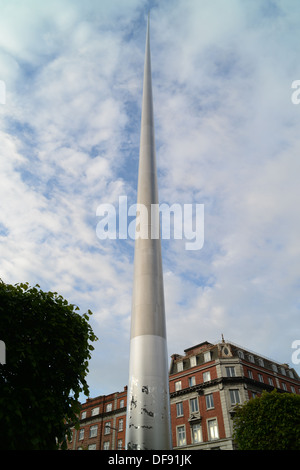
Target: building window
<point>122,403</point>
<point>274,367</point>
<point>95,411</point>
<point>179,409</point>
<point>196,433</point>
<point>251,358</point>
<point>92,447</point>
<point>120,444</point>
<point>283,371</point>
<point>209,399</point>
<point>260,378</point>
<point>106,445</point>
<point>181,439</point>
<point>213,432</point>
<point>206,376</point>
<point>120,424</point>
<point>179,366</point>
<point>230,371</point>
<point>193,361</point>
<point>293,389</point>
<point>207,356</point>
<point>234,396</point>
<point>108,407</point>
<point>291,374</point>
<point>284,386</point>
<point>177,386</point>
<point>241,354</point>
<point>261,362</point>
<point>83,415</point>
<point>107,428</point>
<point>81,434</point>
<point>194,405</point>
<point>271,381</point>
<point>250,374</point>
<point>93,431</point>
<point>192,381</point>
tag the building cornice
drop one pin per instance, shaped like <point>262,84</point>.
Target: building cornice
<point>225,381</point>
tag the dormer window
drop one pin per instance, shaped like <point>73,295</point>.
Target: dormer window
<point>207,356</point>
<point>193,361</point>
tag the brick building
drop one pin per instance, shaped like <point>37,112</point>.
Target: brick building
<point>102,423</point>
<point>205,385</point>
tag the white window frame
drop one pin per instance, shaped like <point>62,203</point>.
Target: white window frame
<point>271,381</point>
<point>106,445</point>
<point>209,401</point>
<point>212,425</point>
<point>235,397</point>
<point>180,366</point>
<point>178,385</point>
<point>192,381</point>
<point>194,405</point>
<point>94,430</point>
<point>193,361</point>
<point>95,411</point>
<point>230,371</point>
<point>121,424</point>
<point>181,435</point>
<point>108,407</point>
<point>107,428</point>
<point>241,354</point>
<point>179,409</point>
<point>251,358</point>
<point>81,434</point>
<point>207,356</point>
<point>206,376</point>
<point>196,431</point>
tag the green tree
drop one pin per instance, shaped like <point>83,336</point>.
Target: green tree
<point>48,346</point>
<point>268,422</point>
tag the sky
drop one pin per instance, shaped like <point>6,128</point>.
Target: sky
<point>227,137</point>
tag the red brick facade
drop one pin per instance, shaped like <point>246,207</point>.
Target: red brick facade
<point>205,385</point>
<point>102,423</point>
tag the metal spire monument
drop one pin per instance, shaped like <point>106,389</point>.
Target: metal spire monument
<point>148,425</point>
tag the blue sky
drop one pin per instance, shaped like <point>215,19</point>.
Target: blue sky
<point>227,136</point>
